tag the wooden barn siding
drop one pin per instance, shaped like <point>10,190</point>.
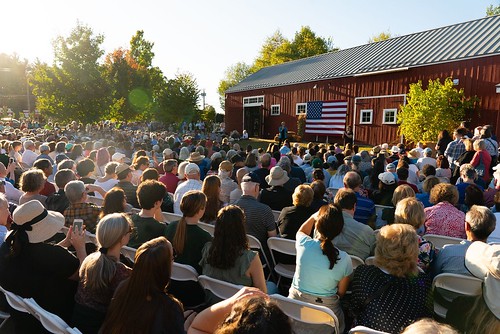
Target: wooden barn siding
<point>476,76</point>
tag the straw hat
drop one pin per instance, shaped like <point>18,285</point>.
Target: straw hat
<point>37,222</point>
<point>277,176</point>
<point>195,157</point>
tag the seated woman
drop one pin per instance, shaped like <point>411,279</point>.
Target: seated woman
<point>443,218</point>
<point>101,273</point>
<point>292,217</point>
<point>109,179</point>
<point>322,272</point>
<point>31,268</point>
<point>443,170</point>
<point>401,192</point>
<point>114,202</point>
<point>32,182</point>
<point>212,189</point>
<point>140,304</point>
<point>393,293</point>
<point>188,239</point>
<point>428,184</point>
<point>410,211</point>
<point>228,257</point>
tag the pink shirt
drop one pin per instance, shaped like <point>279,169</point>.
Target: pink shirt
<point>444,219</point>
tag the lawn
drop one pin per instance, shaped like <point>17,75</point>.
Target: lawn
<point>264,143</point>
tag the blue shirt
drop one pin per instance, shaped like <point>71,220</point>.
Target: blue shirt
<point>313,274</point>
<point>451,259</point>
<point>365,208</point>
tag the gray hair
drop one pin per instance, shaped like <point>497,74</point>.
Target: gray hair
<point>481,221</point>
<point>74,190</point>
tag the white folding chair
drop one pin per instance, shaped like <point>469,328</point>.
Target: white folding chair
<point>440,240</point>
<point>50,321</point>
<point>454,285</point>
<point>207,227</point>
<point>15,301</point>
<point>135,210</point>
<point>378,210</point>
<point>284,246</point>
<point>169,217</point>
<point>129,252</point>
<point>255,244</point>
<point>356,261</point>
<point>183,272</point>
<point>370,260</point>
<point>365,330</point>
<point>307,313</point>
<point>276,215</point>
<point>89,237</point>
<point>221,289</point>
<point>96,200</point>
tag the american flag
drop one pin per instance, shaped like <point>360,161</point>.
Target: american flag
<point>326,117</point>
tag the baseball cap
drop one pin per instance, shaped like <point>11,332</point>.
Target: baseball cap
<point>167,151</point>
<point>387,178</point>
<point>251,177</point>
<point>191,168</point>
<point>117,156</point>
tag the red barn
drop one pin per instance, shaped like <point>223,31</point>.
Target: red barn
<point>374,80</point>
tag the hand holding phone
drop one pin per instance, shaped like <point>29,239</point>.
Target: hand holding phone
<point>77,224</point>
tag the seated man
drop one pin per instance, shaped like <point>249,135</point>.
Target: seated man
<point>150,195</point>
<point>58,200</point>
<point>479,223</point>
<point>124,175</point>
<point>79,208</point>
<point>46,167</point>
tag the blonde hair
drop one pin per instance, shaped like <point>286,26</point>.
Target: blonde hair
<point>98,269</point>
<point>401,192</point>
<point>191,203</point>
<point>428,326</point>
<point>469,144</point>
<point>410,211</point>
<point>397,250</point>
<point>303,195</point>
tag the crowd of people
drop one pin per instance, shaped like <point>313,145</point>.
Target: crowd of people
<point>326,197</point>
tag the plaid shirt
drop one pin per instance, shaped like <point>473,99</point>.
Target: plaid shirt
<point>454,150</point>
<point>89,212</point>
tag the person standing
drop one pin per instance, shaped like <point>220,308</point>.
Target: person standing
<point>348,136</point>
<point>282,133</point>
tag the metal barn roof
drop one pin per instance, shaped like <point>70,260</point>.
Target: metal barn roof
<point>478,38</point>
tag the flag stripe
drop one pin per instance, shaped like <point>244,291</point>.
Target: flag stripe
<point>326,117</point>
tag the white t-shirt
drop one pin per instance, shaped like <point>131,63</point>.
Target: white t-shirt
<point>107,185</point>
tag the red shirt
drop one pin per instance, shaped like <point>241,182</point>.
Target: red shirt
<point>170,181</point>
<point>48,189</point>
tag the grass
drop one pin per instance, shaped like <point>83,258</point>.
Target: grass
<point>264,143</point>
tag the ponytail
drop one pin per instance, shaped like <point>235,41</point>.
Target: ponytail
<point>97,272</point>
<point>180,236</point>
<point>330,251</point>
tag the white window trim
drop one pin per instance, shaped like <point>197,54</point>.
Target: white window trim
<point>297,108</point>
<point>279,109</point>
<point>256,104</point>
<point>361,116</point>
<point>395,115</point>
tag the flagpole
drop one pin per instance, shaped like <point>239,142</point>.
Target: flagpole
<point>327,139</point>
<point>316,138</point>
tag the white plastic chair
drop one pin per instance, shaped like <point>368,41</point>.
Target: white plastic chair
<point>276,215</point>
<point>365,330</point>
<point>307,313</point>
<point>356,261</point>
<point>255,244</point>
<point>284,246</point>
<point>183,272</point>
<point>15,301</point>
<point>378,210</point>
<point>454,285</point>
<point>207,227</point>
<point>169,217</point>
<point>129,252</point>
<point>221,289</point>
<point>95,200</point>
<point>50,321</point>
<point>440,240</point>
<point>370,260</point>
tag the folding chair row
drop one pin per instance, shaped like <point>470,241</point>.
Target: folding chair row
<point>440,240</point>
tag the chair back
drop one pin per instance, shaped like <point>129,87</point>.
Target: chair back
<point>255,244</point>
<point>365,330</point>
<point>207,227</point>
<point>221,289</point>
<point>370,260</point>
<point>96,200</point>
<point>169,217</point>
<point>284,246</point>
<point>50,321</point>
<point>129,252</point>
<point>378,210</point>
<point>356,261</point>
<point>15,301</point>
<point>183,272</point>
<point>276,215</point>
<point>440,240</point>
<point>451,286</point>
<point>306,313</point>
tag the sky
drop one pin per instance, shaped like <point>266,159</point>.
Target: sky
<point>204,38</point>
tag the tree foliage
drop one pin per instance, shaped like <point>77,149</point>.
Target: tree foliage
<point>384,35</point>
<point>208,114</point>
<point>275,50</point>
<point>73,86</point>
<point>179,99</point>
<point>428,111</point>
<point>492,10</point>
<point>13,82</point>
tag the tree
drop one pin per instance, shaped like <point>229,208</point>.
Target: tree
<point>492,10</point>
<point>232,76</point>
<point>13,81</point>
<point>208,114</point>
<point>307,44</point>
<point>73,87</point>
<point>179,99</point>
<point>384,35</point>
<point>428,111</point>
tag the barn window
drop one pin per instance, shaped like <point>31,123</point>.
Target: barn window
<point>253,101</point>
<point>301,109</point>
<point>366,116</point>
<point>275,110</point>
<point>390,116</point>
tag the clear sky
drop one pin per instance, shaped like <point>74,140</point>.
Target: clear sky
<point>206,37</point>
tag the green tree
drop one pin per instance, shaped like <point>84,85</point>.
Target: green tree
<point>179,99</point>
<point>208,114</point>
<point>13,83</point>
<point>428,111</point>
<point>384,35</point>
<point>73,87</point>
<point>142,50</point>
<point>307,44</point>
<point>232,76</point>
<point>492,10</point>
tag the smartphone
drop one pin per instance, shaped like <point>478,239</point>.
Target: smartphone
<point>77,224</point>
<point>11,160</point>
